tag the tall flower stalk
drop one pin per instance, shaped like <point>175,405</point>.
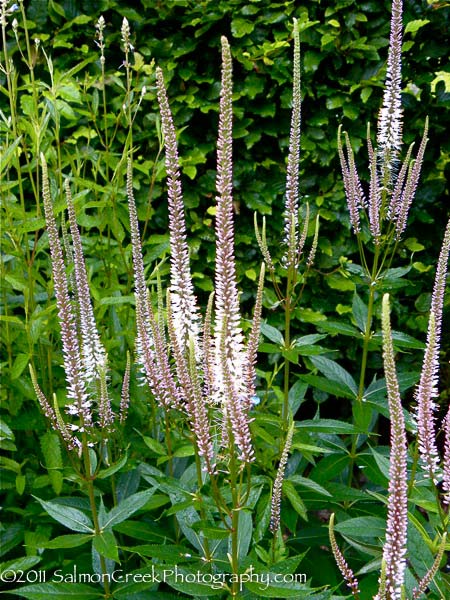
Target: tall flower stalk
<point>394,551</point>
<point>89,422</point>
<point>391,189</point>
<point>205,371</point>
<point>427,389</point>
<point>295,234</point>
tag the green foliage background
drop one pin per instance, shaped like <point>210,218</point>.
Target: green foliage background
<point>344,48</point>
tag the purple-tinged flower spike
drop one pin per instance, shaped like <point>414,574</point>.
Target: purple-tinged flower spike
<point>275,510</point>
<point>396,530</point>
<point>352,183</point>
<point>374,196</point>
<point>151,349</point>
<point>50,413</point>
<point>389,138</point>
<point>427,388</point>
<point>125,395</point>
<point>194,402</point>
<point>252,342</point>
<point>93,354</point>
<point>80,405</point>
<point>345,570</point>
<point>184,304</point>
<point>228,334</point>
<point>409,190</point>
<point>293,250</point>
<point>446,474</point>
<point>428,577</point>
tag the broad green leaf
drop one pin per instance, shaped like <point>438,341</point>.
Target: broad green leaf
<point>362,528</point>
<point>294,498</point>
<point>147,532</point>
<point>327,426</point>
<point>415,25</point>
<point>20,362</point>
<point>245,531</point>
<point>58,591</point>
<point>327,385</point>
<point>309,483</point>
<point>126,508</point>
<point>105,544</point>
<point>19,564</point>
<point>272,334</point>
<point>335,372</point>
<point>51,449</point>
<point>72,518</point>
<point>8,153</point>
<point>360,313</point>
<point>67,541</point>
<point>10,537</point>
<point>166,552</point>
<point>336,327</point>
<point>401,340</point>
<point>104,473</point>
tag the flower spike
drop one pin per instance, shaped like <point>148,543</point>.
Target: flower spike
<point>396,530</point>
<point>184,304</point>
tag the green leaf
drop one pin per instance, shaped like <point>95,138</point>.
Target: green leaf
<point>272,334</point>
<point>335,372</point>
<point>20,362</point>
<point>105,544</point>
<point>72,518</point>
<point>327,426</point>
<point>326,385</point>
<point>51,449</point>
<point>58,591</point>
<point>294,498</point>
<point>415,25</point>
<point>309,483</point>
<point>245,531</point>
<point>66,541</point>
<point>19,564</point>
<point>362,528</point>
<point>166,552</point>
<point>104,473</point>
<point>10,537</point>
<point>241,27</point>
<point>360,312</point>
<point>126,508</point>
<point>337,327</point>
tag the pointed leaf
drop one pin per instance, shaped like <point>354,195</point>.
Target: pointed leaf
<point>125,509</point>
<point>58,591</point>
<point>72,518</point>
<point>335,372</point>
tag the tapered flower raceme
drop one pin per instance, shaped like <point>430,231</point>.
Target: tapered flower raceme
<point>427,388</point>
<point>374,196</point>
<point>389,138</point>
<point>352,184</point>
<point>184,305</point>
<point>275,509</point>
<point>396,530</point>
<point>291,233</point>
<point>446,475</point>
<point>150,346</point>
<point>402,205</point>
<point>345,570</point>
<point>92,350</point>
<point>80,404</point>
<point>229,352</point>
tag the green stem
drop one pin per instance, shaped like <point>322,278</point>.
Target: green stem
<point>89,478</point>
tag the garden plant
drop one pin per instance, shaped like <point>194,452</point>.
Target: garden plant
<point>181,418</point>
